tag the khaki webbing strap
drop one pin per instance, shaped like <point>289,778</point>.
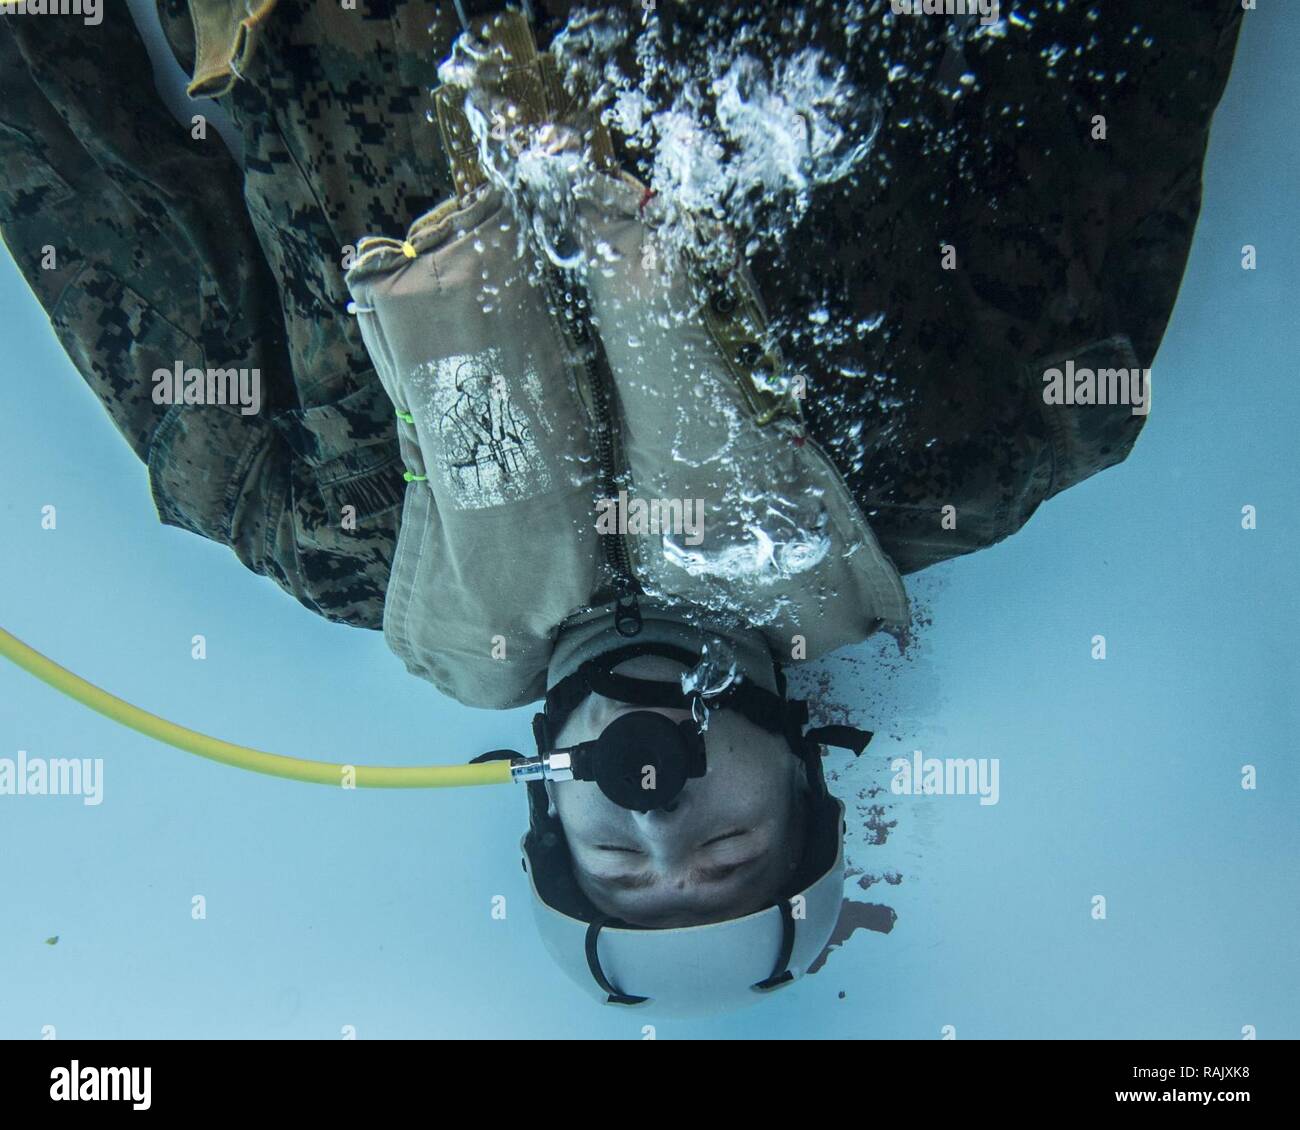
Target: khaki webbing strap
<point>529,80</point>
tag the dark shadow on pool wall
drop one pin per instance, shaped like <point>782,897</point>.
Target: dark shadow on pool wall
<point>855,916</point>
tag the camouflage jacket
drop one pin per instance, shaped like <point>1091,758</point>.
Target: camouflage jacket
<point>998,234</point>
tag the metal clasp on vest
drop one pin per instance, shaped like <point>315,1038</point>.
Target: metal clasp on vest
<point>627,615</point>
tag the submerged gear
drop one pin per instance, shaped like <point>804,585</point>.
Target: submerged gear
<point>539,398</point>
<point>684,970</point>
<point>242,757</point>
<point>690,970</point>
<point>633,749</point>
<point>695,969</point>
<point>680,971</point>
<point>618,759</point>
<point>933,399</point>
<point>167,250</point>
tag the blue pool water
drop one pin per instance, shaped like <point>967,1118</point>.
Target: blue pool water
<point>328,910</point>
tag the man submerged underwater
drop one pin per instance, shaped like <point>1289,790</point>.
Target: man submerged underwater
<point>447,406</point>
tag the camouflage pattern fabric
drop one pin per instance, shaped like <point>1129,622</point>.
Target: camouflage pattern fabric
<point>1066,247</point>
<point>167,251</point>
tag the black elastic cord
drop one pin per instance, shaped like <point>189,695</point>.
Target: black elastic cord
<point>781,974</point>
<point>593,963</point>
<point>496,755</point>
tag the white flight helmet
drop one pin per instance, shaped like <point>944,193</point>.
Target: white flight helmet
<point>690,970</point>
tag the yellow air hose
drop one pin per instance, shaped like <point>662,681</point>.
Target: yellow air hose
<point>241,757</point>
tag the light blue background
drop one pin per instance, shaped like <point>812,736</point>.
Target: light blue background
<point>325,908</point>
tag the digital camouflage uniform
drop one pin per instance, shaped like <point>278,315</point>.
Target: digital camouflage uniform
<point>167,251</point>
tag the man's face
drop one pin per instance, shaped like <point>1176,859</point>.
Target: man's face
<point>729,845</point>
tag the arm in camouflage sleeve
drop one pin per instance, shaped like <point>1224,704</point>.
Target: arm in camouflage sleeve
<point>155,263</point>
<point>1043,216</point>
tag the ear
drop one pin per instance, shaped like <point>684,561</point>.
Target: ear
<point>551,810</point>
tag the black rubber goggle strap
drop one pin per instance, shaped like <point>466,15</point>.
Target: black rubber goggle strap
<point>613,995</point>
<point>776,715</point>
<point>639,692</point>
<point>563,698</point>
<point>767,710</point>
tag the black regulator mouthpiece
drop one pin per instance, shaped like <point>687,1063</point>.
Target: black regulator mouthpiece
<point>642,760</point>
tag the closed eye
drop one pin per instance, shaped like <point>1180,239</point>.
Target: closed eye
<point>725,836</point>
<point>719,874</point>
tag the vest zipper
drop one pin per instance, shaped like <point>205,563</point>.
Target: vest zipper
<point>573,297</point>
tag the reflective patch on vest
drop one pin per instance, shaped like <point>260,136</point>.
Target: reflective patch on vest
<point>486,453</point>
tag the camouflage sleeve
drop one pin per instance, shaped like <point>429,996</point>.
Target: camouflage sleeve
<point>134,238</point>
<point>1032,200</point>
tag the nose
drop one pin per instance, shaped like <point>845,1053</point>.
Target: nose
<point>666,818</point>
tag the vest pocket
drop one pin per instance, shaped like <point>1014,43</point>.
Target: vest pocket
<point>117,339</point>
<point>349,445</point>
<point>1094,399</point>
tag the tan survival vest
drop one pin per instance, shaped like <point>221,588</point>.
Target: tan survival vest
<point>527,408</point>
